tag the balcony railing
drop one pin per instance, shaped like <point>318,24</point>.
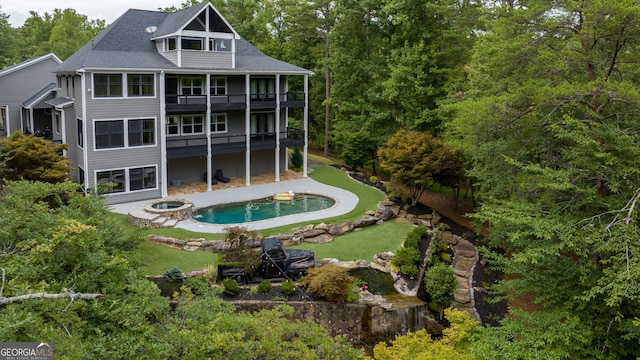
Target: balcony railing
<point>182,147</point>
<point>190,103</point>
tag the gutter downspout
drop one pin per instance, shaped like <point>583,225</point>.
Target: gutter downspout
<point>85,155</point>
<point>63,123</point>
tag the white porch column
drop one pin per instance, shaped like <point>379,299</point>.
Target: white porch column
<point>277,120</point>
<point>247,130</point>
<point>208,130</point>
<point>164,164</point>
<point>306,125</point>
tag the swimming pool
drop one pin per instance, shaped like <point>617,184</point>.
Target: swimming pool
<point>261,209</point>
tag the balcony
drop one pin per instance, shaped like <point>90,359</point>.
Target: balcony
<point>183,147</point>
<point>197,103</point>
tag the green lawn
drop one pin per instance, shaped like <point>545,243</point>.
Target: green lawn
<point>158,259</point>
<point>363,244</point>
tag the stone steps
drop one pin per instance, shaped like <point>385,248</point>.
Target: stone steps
<point>147,219</point>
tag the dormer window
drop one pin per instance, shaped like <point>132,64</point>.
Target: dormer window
<point>219,44</point>
<point>171,44</point>
<point>191,43</point>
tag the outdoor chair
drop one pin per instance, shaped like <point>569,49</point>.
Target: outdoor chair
<point>220,176</point>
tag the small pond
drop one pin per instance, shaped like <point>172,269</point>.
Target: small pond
<point>261,209</point>
<point>378,282</point>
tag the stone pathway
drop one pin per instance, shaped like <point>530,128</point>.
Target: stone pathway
<point>465,259</point>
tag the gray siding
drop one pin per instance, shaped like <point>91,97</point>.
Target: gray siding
<point>20,85</point>
<point>206,59</point>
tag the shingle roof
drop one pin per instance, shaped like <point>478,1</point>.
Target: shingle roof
<point>37,97</point>
<point>59,101</point>
<point>178,19</point>
<point>27,63</point>
<point>125,44</point>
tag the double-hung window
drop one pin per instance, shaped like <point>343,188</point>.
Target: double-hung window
<point>109,134</point>
<point>142,178</point>
<point>218,123</point>
<point>140,85</point>
<point>107,85</point>
<point>173,125</point>
<point>192,124</point>
<point>191,86</point>
<point>113,179</point>
<point>141,132</point>
<point>218,86</point>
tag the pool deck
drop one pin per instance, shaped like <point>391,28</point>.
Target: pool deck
<point>345,202</point>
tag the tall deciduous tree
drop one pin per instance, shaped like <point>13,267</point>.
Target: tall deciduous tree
<point>430,44</point>
<point>550,120</point>
<point>359,52</point>
<point>61,32</point>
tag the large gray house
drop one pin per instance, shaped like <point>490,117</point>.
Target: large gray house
<point>160,98</point>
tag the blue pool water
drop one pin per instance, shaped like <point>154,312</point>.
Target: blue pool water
<point>261,209</point>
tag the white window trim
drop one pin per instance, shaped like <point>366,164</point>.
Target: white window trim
<point>226,84</point>
<point>126,169</point>
<point>155,87</point>
<point>125,88</point>
<point>126,133</point>
<point>226,123</point>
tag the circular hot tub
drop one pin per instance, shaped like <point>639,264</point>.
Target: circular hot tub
<point>171,208</point>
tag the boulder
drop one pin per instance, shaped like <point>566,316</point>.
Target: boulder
<point>313,233</point>
<point>340,228</point>
<point>385,213</point>
<point>319,239</point>
<point>365,221</point>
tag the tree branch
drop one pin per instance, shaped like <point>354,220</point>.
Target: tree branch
<point>65,294</point>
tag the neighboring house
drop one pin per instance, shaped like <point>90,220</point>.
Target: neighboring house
<point>25,89</point>
<point>159,98</point>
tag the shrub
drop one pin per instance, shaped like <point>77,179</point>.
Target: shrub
<point>211,273</point>
<point>409,269</point>
<point>296,158</point>
<point>230,286</point>
<point>264,286</point>
<point>288,288</point>
<point>413,237</point>
<point>173,274</point>
<point>373,179</point>
<point>253,290</point>
<point>198,285</point>
<point>406,256</point>
<point>331,282</point>
<point>440,282</point>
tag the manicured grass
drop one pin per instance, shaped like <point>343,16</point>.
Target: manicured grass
<point>362,245</point>
<point>158,259</point>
